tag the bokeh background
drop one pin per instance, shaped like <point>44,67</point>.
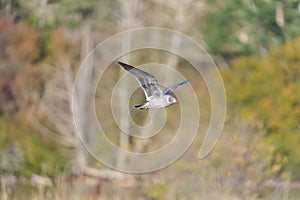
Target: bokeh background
<point>254,43</point>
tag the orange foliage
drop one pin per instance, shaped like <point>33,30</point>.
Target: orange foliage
<point>20,76</point>
<point>25,45</point>
<point>267,103</point>
<point>61,48</point>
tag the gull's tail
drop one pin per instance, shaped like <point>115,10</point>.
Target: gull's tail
<point>143,106</point>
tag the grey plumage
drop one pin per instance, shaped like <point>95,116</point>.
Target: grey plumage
<point>156,98</point>
<point>147,82</point>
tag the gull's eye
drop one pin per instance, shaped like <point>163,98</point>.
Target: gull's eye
<point>172,100</point>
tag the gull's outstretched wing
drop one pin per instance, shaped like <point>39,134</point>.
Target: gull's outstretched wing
<point>147,82</point>
<point>170,90</point>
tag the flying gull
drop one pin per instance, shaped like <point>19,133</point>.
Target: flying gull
<point>155,97</point>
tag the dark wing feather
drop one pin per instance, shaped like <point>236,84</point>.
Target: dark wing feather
<point>170,90</point>
<point>147,82</point>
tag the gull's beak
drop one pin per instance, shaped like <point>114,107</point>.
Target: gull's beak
<point>176,102</point>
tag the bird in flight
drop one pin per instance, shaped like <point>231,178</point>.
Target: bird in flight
<point>155,97</point>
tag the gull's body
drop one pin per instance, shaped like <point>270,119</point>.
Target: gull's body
<point>155,97</point>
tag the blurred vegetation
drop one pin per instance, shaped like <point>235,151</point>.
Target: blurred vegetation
<point>235,28</point>
<point>25,152</point>
<point>259,39</point>
<point>267,89</point>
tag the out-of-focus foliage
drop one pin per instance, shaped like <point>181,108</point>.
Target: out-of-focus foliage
<point>261,137</point>
<point>243,157</point>
<point>23,150</point>
<point>156,191</point>
<point>268,89</point>
<point>233,28</point>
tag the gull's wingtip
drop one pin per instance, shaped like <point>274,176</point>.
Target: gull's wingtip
<point>121,63</point>
<point>184,82</point>
<point>125,66</point>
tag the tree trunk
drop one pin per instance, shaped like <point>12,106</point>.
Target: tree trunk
<point>129,10</point>
<point>42,12</point>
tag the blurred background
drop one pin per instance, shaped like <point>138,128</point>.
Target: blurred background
<point>256,46</point>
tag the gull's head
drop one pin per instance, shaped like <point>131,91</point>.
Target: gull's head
<point>172,100</point>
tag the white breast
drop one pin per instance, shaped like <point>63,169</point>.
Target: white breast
<point>159,102</point>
